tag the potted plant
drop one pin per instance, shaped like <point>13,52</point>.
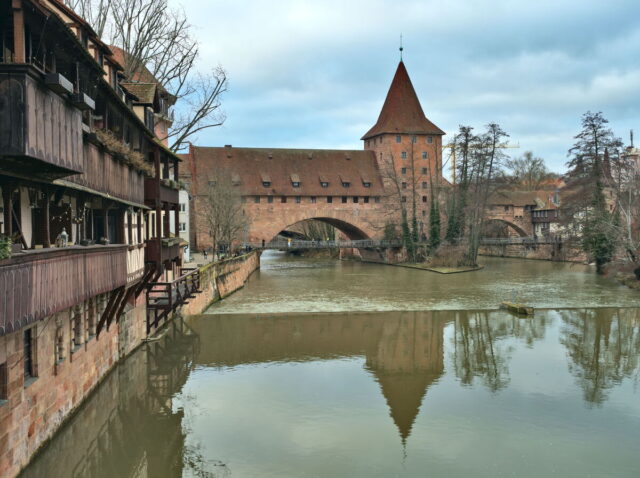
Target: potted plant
<point>5,247</point>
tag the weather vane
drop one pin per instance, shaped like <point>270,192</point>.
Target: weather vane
<point>401,49</point>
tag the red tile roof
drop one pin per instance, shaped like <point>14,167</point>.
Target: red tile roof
<point>401,112</point>
<point>281,167</point>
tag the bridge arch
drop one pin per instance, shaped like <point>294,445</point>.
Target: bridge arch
<point>510,225</point>
<point>267,226</point>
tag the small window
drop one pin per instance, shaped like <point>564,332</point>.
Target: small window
<point>355,199</point>
<point>183,226</point>
<point>329,199</point>
<point>28,350</point>
<point>183,207</point>
<point>298,199</point>
<point>324,184</point>
<point>365,199</point>
<point>424,198</point>
<point>429,139</point>
<point>424,212</point>
<point>256,199</point>
<point>270,199</point>
<point>414,139</point>
<point>424,155</point>
<point>346,184</point>
<point>313,199</point>
<point>4,380</point>
<point>344,199</point>
<point>404,198</point>
<point>404,155</point>
<point>424,171</point>
<point>398,138</point>
<point>403,170</point>
<point>295,184</point>
<point>366,184</point>
<point>404,185</point>
<point>424,185</point>
<point>266,184</point>
<point>283,199</point>
<point>76,330</point>
<point>376,199</point>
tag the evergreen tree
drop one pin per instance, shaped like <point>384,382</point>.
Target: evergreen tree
<point>434,225</point>
<point>589,171</point>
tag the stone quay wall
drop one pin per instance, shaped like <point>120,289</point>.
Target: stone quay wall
<point>219,279</point>
<point>545,252</point>
<point>69,361</point>
<point>64,374</point>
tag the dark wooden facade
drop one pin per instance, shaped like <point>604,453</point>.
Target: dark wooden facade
<point>40,132</point>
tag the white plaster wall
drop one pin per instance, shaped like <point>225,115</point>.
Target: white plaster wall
<point>26,216</point>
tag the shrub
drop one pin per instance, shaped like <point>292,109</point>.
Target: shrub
<point>5,247</point>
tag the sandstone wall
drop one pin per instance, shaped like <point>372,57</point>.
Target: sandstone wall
<point>220,279</point>
<point>547,252</point>
<point>36,407</point>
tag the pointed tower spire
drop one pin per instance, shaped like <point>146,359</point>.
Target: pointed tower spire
<point>401,112</point>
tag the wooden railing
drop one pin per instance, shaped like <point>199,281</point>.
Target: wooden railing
<point>166,194</point>
<point>38,123</point>
<point>163,250</point>
<point>37,284</point>
<point>163,298</point>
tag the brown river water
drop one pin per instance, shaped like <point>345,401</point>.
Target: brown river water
<point>321,368</point>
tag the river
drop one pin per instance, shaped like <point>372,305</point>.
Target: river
<point>338,369</point>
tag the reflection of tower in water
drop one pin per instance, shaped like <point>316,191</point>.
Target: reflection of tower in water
<point>408,358</point>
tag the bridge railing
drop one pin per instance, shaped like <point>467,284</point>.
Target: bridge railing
<point>298,244</point>
<point>530,240</point>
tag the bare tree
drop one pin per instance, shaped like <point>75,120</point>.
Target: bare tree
<point>529,172</point>
<point>224,213</point>
<point>160,47</point>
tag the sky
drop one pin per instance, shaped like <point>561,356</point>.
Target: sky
<point>314,74</point>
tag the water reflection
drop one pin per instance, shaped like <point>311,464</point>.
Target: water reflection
<point>367,394</point>
<point>115,434</point>
<point>603,347</point>
<point>479,349</point>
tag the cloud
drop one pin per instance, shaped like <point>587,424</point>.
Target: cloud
<point>315,74</point>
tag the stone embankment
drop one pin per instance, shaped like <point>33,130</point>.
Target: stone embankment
<point>66,370</point>
<point>545,252</point>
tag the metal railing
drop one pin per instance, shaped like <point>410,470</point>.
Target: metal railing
<point>298,244</point>
<point>530,240</point>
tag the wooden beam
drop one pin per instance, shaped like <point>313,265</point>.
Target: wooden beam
<point>46,218</point>
<point>116,306</point>
<point>107,311</point>
<point>19,55</point>
<point>7,200</point>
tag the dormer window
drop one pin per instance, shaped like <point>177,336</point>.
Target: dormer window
<point>295,180</point>
<point>324,184</point>
<point>266,180</point>
<point>295,184</point>
<point>346,184</point>
<point>266,184</point>
<point>366,184</point>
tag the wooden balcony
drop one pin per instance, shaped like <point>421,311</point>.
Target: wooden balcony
<point>40,131</point>
<point>154,189</point>
<point>37,284</point>
<point>163,250</point>
<point>105,174</point>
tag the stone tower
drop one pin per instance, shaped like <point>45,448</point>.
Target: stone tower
<point>403,132</point>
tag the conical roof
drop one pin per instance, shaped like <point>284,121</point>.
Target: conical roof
<point>401,112</point>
